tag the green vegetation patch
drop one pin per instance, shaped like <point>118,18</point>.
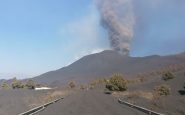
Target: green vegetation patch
<point>5,85</point>
<point>17,84</point>
<point>167,76</point>
<point>72,84</point>
<point>162,90</point>
<point>116,83</point>
<point>30,84</point>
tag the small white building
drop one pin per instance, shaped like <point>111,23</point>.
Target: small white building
<point>42,88</point>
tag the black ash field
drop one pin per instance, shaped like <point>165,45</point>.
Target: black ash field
<point>142,74</point>
<point>89,103</point>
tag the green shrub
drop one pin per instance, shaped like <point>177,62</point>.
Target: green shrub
<point>112,87</point>
<point>167,76</point>
<point>5,85</point>
<point>163,90</point>
<point>82,87</point>
<point>30,84</point>
<point>72,84</point>
<point>97,82</point>
<point>93,84</point>
<point>117,83</point>
<point>16,84</point>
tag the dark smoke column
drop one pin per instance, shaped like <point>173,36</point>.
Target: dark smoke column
<point>117,18</point>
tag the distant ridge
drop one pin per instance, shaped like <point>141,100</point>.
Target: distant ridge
<point>107,63</point>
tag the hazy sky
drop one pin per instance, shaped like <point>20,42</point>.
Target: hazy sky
<point>37,36</point>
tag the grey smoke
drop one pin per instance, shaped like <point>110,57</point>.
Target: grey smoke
<point>149,23</point>
<point>117,17</point>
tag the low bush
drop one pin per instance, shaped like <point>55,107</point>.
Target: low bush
<point>5,85</point>
<point>97,82</point>
<point>116,83</point>
<point>162,90</point>
<point>93,84</point>
<point>17,84</point>
<point>82,87</point>
<point>30,84</point>
<point>112,87</point>
<point>167,76</point>
<point>72,84</point>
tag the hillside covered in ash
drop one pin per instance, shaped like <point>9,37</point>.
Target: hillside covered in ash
<point>106,63</point>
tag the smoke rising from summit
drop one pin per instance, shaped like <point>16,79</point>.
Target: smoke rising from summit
<point>117,17</point>
<point>144,22</point>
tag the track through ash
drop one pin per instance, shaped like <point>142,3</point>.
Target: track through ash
<point>89,103</point>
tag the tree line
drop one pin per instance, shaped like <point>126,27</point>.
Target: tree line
<point>18,84</point>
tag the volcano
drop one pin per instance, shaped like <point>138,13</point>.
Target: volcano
<point>106,63</point>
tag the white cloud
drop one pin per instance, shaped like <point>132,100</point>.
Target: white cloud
<point>83,53</point>
<point>96,51</point>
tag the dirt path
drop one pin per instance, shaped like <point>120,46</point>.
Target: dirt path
<point>89,103</point>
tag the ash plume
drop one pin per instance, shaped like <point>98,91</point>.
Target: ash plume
<point>117,17</point>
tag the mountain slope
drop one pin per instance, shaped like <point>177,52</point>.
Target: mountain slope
<point>107,63</point>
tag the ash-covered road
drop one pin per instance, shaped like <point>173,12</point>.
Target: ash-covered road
<point>89,103</point>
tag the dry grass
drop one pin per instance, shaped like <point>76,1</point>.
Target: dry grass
<point>42,99</point>
<point>162,90</point>
<point>134,94</point>
<point>55,95</point>
<point>140,78</point>
<point>96,82</point>
<point>143,77</point>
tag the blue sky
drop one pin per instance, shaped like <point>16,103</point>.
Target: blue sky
<point>159,29</point>
<point>37,36</point>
